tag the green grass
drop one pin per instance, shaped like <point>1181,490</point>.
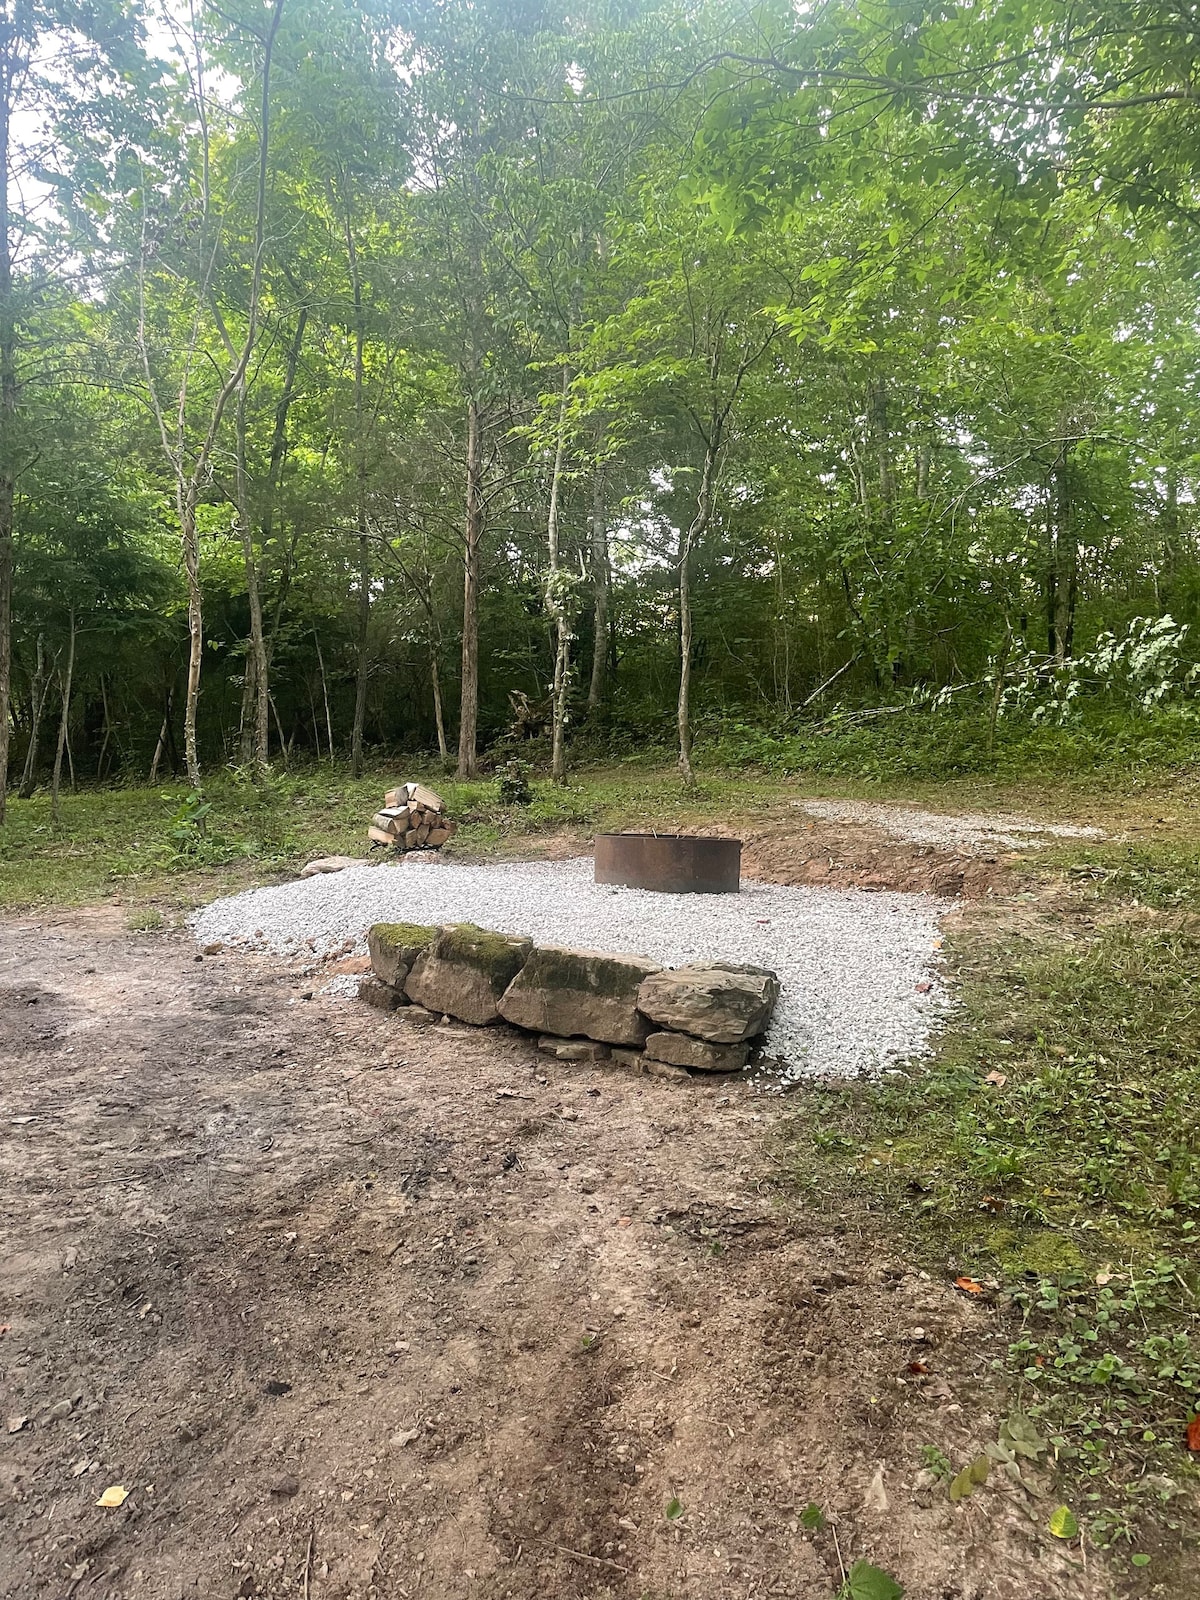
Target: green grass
<point>1053,1147</point>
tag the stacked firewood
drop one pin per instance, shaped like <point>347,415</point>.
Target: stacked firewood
<point>412,818</point>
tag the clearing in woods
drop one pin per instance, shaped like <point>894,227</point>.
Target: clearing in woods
<point>353,1308</point>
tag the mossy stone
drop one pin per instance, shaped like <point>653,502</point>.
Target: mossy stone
<point>465,970</point>
<point>394,946</point>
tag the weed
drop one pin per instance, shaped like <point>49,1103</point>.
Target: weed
<point>147,919</point>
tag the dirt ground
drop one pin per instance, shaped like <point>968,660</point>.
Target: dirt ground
<point>355,1308</point>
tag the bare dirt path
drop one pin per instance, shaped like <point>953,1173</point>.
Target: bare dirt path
<point>358,1309</point>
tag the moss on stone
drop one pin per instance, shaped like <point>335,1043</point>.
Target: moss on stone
<point>499,955</point>
<point>403,935</point>
<point>590,972</point>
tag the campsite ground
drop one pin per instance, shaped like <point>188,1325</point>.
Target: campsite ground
<point>352,1307</point>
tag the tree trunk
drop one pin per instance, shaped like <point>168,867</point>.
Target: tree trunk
<point>8,406</point>
<point>1064,565</point>
<point>468,722</point>
<point>62,726</point>
<point>161,745</point>
<point>439,715</point>
<point>695,532</point>
<point>556,599</point>
<point>107,729</point>
<point>190,543</point>
<point>364,548</point>
<point>324,693</point>
<point>257,650</point>
<point>37,702</point>
<point>600,580</point>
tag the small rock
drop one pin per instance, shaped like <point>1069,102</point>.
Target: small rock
<point>573,1049</point>
<point>56,1412</point>
<point>286,1486</point>
<point>212,949</point>
<point>399,1440</point>
<point>631,1060</point>
<point>328,864</point>
<point>277,1386</point>
<point>665,1069</point>
<point>374,992</point>
<point>682,1051</point>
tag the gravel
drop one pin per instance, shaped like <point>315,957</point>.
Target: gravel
<point>861,988</point>
<point>974,832</point>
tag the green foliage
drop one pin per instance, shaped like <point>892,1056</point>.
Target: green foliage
<point>865,1582</point>
<point>512,784</point>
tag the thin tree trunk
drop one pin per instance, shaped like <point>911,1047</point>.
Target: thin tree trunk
<point>191,567</point>
<point>556,597</point>
<point>364,549</point>
<point>161,745</point>
<point>37,700</point>
<point>257,645</point>
<point>1064,565</point>
<point>312,706</point>
<point>439,716</point>
<point>468,722</point>
<point>284,745</point>
<point>107,728</point>
<point>9,66</point>
<point>694,533</point>
<point>600,593</point>
<point>324,693</point>
<point>246,714</point>
<point>62,726</point>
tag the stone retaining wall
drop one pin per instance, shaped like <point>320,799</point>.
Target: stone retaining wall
<point>585,1004</point>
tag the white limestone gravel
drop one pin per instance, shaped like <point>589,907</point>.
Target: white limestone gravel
<point>860,982</point>
<point>974,832</point>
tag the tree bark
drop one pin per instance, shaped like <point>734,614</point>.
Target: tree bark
<point>37,702</point>
<point>468,722</point>
<point>364,548</point>
<point>439,715</point>
<point>190,544</point>
<point>257,644</point>
<point>693,534</point>
<point>324,693</point>
<point>68,675</point>
<point>600,581</point>
<point>8,404</point>
<point>556,599</point>
<point>1063,585</point>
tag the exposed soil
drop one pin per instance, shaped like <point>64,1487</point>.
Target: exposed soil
<point>354,1308</point>
<point>794,849</point>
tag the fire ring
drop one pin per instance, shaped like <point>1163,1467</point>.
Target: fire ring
<point>670,863</point>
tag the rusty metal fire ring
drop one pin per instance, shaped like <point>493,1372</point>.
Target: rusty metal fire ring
<point>671,863</point>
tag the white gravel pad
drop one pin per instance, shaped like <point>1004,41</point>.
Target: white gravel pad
<point>973,831</point>
<point>860,984</point>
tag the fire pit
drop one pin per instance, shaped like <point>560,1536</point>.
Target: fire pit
<point>670,863</point>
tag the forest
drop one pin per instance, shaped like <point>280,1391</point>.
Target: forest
<point>454,375</point>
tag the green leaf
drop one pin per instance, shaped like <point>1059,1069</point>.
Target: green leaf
<point>970,1478</point>
<point>866,1582</point>
<point>812,1517</point>
<point>1063,1523</point>
<point>1140,1560</point>
<point>674,1509</point>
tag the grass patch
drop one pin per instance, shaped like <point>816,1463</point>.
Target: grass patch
<point>1053,1145</point>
